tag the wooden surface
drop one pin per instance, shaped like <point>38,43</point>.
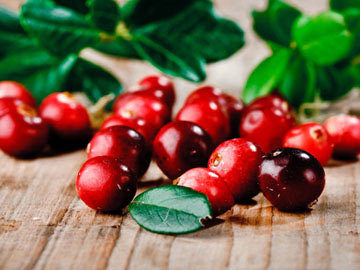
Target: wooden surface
<point>43,224</point>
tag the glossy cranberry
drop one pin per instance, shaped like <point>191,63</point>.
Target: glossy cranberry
<point>344,131</point>
<point>124,144</point>
<point>68,118</point>
<point>207,92</point>
<point>105,184</point>
<point>312,138</point>
<point>265,127</point>
<point>17,90</point>
<point>139,124</point>
<point>22,131</point>
<point>237,162</point>
<point>291,179</point>
<point>271,101</point>
<point>212,185</point>
<point>132,105</point>
<point>158,86</point>
<point>180,146</point>
<point>210,116</point>
<point>235,110</point>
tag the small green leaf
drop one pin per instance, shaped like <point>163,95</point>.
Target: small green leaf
<point>119,47</point>
<point>77,5</point>
<point>171,59</point>
<point>352,18</point>
<point>59,30</point>
<point>274,24</point>
<point>323,39</point>
<point>266,75</point>
<point>105,14</point>
<point>170,210</point>
<point>344,4</point>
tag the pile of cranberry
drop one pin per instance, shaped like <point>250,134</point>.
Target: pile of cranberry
<point>215,145</point>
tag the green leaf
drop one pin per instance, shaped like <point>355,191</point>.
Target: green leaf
<point>105,14</point>
<point>59,30</point>
<point>170,210</point>
<point>171,59</point>
<point>119,47</point>
<point>352,18</point>
<point>344,4</point>
<point>93,80</point>
<point>298,82</point>
<point>265,77</point>
<point>77,5</point>
<point>323,39</point>
<point>274,24</point>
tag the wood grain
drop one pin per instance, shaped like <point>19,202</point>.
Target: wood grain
<point>43,225</point>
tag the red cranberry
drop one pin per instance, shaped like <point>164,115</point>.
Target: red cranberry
<point>105,184</point>
<point>265,127</point>
<point>68,118</point>
<point>271,101</point>
<point>344,131</point>
<point>210,116</point>
<point>160,87</point>
<point>180,146</point>
<point>22,131</point>
<point>237,162</point>
<point>132,105</point>
<point>212,185</point>
<point>235,110</point>
<point>291,179</point>
<point>313,138</point>
<point>207,92</point>
<point>18,91</point>
<point>139,124</point>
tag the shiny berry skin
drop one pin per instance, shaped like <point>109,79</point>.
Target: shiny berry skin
<point>132,105</point>
<point>237,162</point>
<point>291,179</point>
<point>206,92</point>
<point>180,146</point>
<point>104,183</point>
<point>212,185</point>
<point>235,110</point>
<point>124,144</point>
<point>266,127</point>
<point>160,87</point>
<point>210,116</point>
<point>17,90</point>
<point>271,101</point>
<point>312,138</point>
<point>344,131</point>
<point>68,118</point>
<point>22,132</point>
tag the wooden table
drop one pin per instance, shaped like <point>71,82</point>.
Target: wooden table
<point>43,224</point>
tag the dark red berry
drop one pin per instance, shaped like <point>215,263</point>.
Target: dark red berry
<point>265,127</point>
<point>344,131</point>
<point>180,146</point>
<point>105,184</point>
<point>22,131</point>
<point>235,110</point>
<point>271,101</point>
<point>237,162</point>
<point>68,118</point>
<point>17,90</point>
<point>212,185</point>
<point>291,179</point>
<point>139,124</point>
<point>151,109</point>
<point>160,87</point>
<point>210,116</point>
<point>312,138</point>
<point>123,143</point>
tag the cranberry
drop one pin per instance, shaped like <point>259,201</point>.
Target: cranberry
<point>212,185</point>
<point>68,118</point>
<point>139,124</point>
<point>265,127</point>
<point>207,92</point>
<point>237,162</point>
<point>313,138</point>
<point>291,179</point>
<point>210,116</point>
<point>273,100</point>
<point>180,146</point>
<point>22,131</point>
<point>105,184</point>
<point>235,110</point>
<point>132,105</point>
<point>123,143</point>
<point>160,87</point>
<point>344,130</point>
<point>18,91</point>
